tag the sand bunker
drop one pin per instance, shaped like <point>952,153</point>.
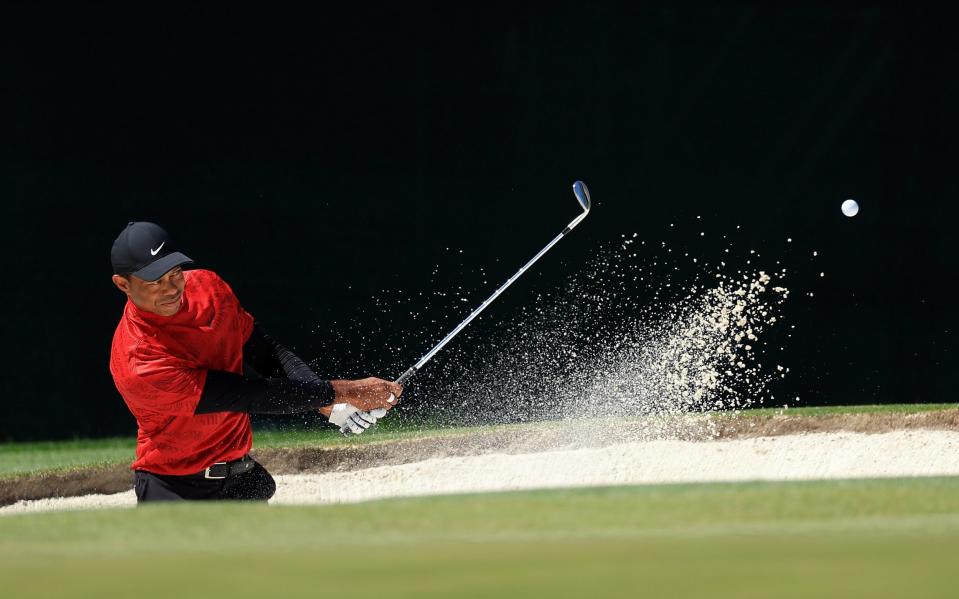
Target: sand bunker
<point>790,457</point>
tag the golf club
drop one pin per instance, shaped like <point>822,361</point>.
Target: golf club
<point>582,196</point>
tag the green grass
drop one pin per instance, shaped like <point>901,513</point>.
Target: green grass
<point>870,538</point>
<point>900,408</point>
<point>18,459</point>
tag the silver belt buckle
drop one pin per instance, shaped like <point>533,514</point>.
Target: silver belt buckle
<point>206,473</point>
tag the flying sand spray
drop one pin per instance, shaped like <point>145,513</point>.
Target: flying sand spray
<point>582,196</point>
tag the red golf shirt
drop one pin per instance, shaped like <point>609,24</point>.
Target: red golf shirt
<point>159,365</point>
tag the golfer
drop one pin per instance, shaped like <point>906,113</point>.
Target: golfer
<point>192,365</point>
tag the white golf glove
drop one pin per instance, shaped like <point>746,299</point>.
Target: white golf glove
<point>350,419</point>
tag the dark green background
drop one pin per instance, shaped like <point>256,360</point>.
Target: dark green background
<point>316,159</point>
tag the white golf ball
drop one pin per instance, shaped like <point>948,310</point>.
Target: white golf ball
<point>850,208</point>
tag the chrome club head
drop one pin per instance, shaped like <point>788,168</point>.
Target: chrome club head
<point>582,195</point>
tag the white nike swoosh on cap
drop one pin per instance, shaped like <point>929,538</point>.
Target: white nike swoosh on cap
<point>157,251</point>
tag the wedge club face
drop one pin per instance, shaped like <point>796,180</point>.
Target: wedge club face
<point>582,195</point>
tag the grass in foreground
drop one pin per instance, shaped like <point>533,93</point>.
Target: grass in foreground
<point>873,538</point>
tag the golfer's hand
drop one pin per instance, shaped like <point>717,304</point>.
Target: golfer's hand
<point>367,394</point>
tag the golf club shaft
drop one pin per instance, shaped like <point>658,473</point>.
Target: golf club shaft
<point>426,357</point>
<point>582,196</point>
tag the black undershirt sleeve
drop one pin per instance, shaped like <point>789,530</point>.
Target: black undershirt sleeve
<point>271,359</point>
<point>300,391</point>
<point>228,392</point>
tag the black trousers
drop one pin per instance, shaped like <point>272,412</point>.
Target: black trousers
<point>254,485</point>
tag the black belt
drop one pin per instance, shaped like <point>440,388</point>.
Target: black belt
<point>221,470</point>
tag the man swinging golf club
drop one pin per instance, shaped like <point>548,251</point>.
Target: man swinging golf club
<point>192,364</point>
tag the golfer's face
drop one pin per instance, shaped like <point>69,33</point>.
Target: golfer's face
<point>162,296</point>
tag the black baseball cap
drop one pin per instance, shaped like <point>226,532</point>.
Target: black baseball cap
<point>145,250</point>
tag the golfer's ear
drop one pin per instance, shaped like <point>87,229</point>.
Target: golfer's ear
<point>122,283</point>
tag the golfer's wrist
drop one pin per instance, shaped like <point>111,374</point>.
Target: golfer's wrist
<point>340,389</point>
<point>355,393</point>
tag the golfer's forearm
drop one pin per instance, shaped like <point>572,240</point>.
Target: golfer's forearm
<point>269,358</point>
<point>228,392</point>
